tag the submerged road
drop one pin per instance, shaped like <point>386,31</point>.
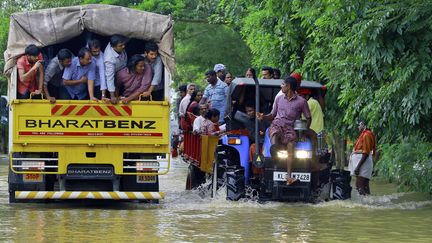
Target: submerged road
<point>190,216</point>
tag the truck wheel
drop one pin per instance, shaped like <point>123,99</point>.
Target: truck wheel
<point>12,197</point>
<point>195,178</point>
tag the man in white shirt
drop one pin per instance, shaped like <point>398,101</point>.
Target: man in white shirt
<point>185,101</point>
<point>115,58</point>
<point>198,121</point>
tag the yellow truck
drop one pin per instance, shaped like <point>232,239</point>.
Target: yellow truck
<point>82,149</point>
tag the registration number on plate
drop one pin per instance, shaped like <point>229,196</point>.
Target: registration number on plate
<point>281,176</point>
<point>146,179</point>
<point>33,178</point>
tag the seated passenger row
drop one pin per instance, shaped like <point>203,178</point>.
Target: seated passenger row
<point>92,74</point>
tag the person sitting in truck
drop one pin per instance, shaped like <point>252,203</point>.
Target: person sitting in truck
<point>267,72</point>
<point>186,99</point>
<point>29,66</point>
<point>134,79</point>
<point>287,108</point>
<point>203,108</point>
<point>79,77</point>
<point>250,73</point>
<point>53,85</point>
<point>192,111</point>
<point>317,114</point>
<point>210,126</point>
<point>95,48</point>
<point>153,58</point>
<point>115,59</point>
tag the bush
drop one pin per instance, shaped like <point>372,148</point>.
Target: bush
<point>408,164</point>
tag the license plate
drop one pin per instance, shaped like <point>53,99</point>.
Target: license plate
<point>146,179</point>
<point>33,178</point>
<point>303,177</point>
<point>281,176</point>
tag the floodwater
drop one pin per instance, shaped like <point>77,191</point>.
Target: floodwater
<point>185,216</point>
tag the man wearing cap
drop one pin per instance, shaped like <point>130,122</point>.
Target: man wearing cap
<point>317,114</point>
<point>220,71</point>
<point>361,163</point>
<point>216,93</point>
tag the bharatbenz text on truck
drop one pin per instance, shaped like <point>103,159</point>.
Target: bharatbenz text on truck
<point>82,149</point>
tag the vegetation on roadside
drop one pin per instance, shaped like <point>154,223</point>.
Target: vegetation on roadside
<point>373,55</point>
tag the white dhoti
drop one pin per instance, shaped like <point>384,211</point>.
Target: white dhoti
<point>365,170</point>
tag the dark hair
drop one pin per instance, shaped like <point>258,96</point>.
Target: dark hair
<point>133,61</point>
<point>192,99</point>
<point>275,70</point>
<point>94,44</point>
<point>211,113</point>
<point>252,70</point>
<point>64,54</point>
<point>117,39</point>
<point>32,50</point>
<point>250,104</point>
<point>150,46</point>
<point>83,51</point>
<point>269,69</point>
<point>292,82</point>
<point>211,73</point>
<point>182,88</point>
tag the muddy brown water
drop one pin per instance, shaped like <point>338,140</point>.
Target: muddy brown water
<point>187,216</point>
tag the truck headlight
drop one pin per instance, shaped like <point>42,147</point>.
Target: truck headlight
<point>282,154</point>
<point>303,154</point>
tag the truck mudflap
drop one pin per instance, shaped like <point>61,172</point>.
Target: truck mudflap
<point>99,195</point>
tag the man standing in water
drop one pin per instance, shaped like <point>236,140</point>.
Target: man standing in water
<point>361,164</point>
<point>287,108</point>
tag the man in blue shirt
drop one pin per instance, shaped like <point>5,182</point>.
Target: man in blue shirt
<point>216,93</point>
<point>79,77</point>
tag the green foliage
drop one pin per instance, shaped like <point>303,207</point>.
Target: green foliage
<point>201,46</point>
<point>408,164</point>
<point>374,56</point>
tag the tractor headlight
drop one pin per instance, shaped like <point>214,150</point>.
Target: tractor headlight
<point>303,154</point>
<point>282,154</point>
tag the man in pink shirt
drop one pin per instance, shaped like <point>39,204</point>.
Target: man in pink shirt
<point>286,109</point>
<point>29,66</point>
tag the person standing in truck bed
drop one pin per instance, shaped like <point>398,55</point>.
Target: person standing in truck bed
<point>53,85</point>
<point>79,77</point>
<point>115,59</point>
<point>29,66</point>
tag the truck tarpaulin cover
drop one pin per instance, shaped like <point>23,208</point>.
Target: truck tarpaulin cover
<point>52,26</point>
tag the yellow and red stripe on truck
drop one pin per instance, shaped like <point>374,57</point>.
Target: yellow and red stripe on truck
<point>72,129</point>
